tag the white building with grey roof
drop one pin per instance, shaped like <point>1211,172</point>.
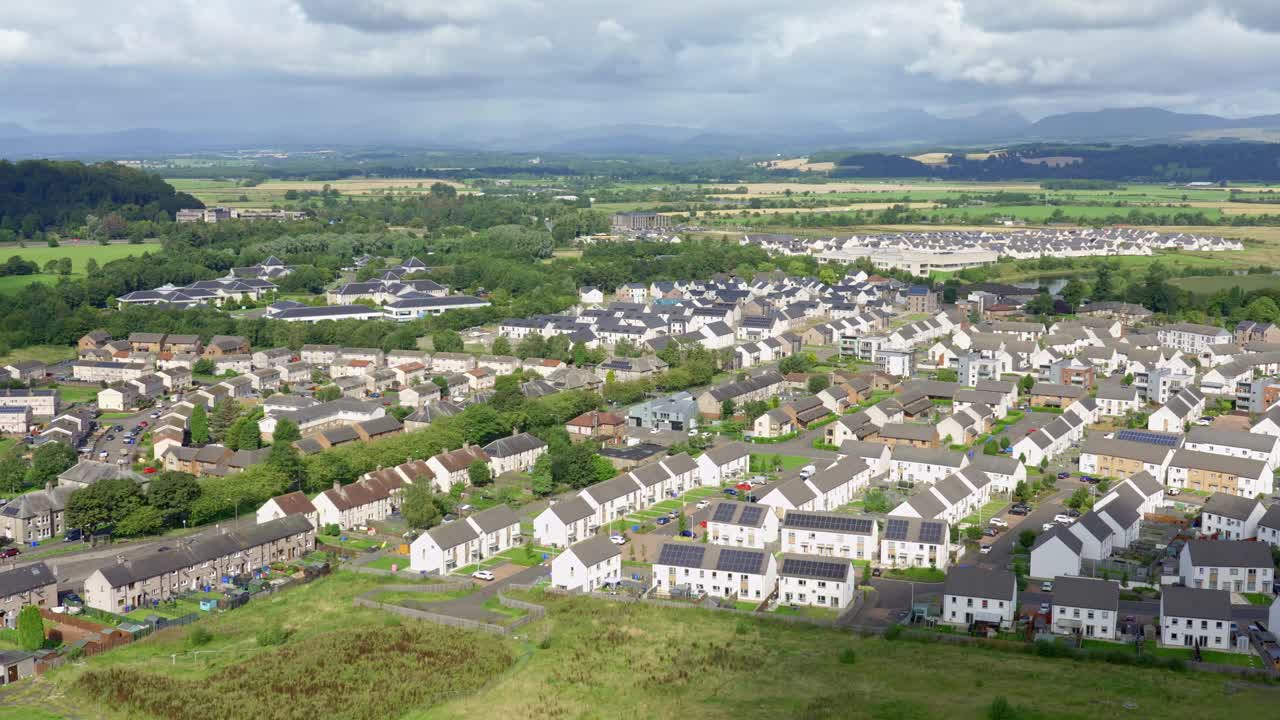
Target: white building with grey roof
<point>1194,617</point>
<point>816,581</point>
<point>979,595</point>
<point>1231,517</point>
<point>710,570</point>
<point>828,534</point>
<point>1240,566</point>
<point>1085,607</point>
<point>587,565</point>
<point>741,524</point>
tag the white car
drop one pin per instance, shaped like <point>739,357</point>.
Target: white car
<point>1173,491</point>
<point>1203,422</point>
<point>617,540</point>
<point>693,433</point>
<point>985,549</point>
<point>703,504</point>
<point>1048,526</point>
<point>998,522</point>
<point>653,431</point>
<point>482,575</point>
<point>1064,519</point>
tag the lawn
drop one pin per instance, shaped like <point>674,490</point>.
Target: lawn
<point>351,543</point>
<point>115,415</point>
<point>386,561</point>
<point>789,462</point>
<point>987,512</point>
<point>79,254</point>
<point>1207,285</point>
<point>1209,656</point>
<point>596,659</point>
<point>820,613</point>
<point>77,393</point>
<point>1258,598</point>
<point>916,574</point>
<point>48,354</point>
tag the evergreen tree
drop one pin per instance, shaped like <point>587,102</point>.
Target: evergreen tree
<point>30,628</point>
<point>199,425</point>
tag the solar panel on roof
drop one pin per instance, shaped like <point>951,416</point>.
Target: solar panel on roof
<point>815,568</point>
<point>896,529</point>
<point>724,512</point>
<point>682,555</point>
<point>751,515</point>
<point>931,532</point>
<point>835,523</point>
<point>740,561</point>
<point>1151,438</point>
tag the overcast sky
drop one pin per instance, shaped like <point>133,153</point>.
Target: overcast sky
<point>477,67</point>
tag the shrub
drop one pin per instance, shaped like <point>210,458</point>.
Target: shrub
<point>545,643</point>
<point>1002,709</point>
<point>30,628</point>
<point>893,633</point>
<point>198,636</point>
<point>333,529</point>
<point>274,635</point>
<point>848,656</point>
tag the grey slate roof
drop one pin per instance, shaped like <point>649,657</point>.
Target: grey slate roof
<point>453,534</point>
<point>1231,506</point>
<point>20,580</point>
<point>1063,534</point>
<point>1243,467</point>
<point>724,454</point>
<point>1229,553</point>
<point>495,518</point>
<point>970,581</point>
<point>1086,593</point>
<point>928,456</point>
<point>594,550</point>
<point>1199,603</point>
<point>571,510</point>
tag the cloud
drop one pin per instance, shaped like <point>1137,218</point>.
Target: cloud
<point>496,66</point>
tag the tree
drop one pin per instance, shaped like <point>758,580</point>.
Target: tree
<point>506,393</point>
<point>419,507</point>
<point>203,366</point>
<point>286,431</point>
<point>224,414</point>
<point>478,473</point>
<point>500,346</point>
<point>13,471</point>
<point>1005,444</point>
<point>446,341</point>
<point>1073,292</point>
<point>1026,383</point>
<point>946,375</point>
<point>1127,380</point>
<point>726,409</point>
<point>328,393</point>
<point>1104,285</point>
<point>100,506</point>
<point>172,494</point>
<point>1263,309</point>
<point>30,628</point>
<point>48,462</point>
<point>973,533</point>
<point>199,424</point>
<point>991,448</point>
<point>142,520</point>
<point>246,434</point>
<point>1027,538</point>
<point>574,464</point>
<point>540,481</point>
<point>818,383</point>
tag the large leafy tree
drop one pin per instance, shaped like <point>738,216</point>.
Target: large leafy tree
<point>30,628</point>
<point>100,506</point>
<point>419,507</point>
<point>199,424</point>
<point>172,494</point>
<point>49,461</point>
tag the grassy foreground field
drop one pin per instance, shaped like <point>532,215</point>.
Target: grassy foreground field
<point>589,659</point>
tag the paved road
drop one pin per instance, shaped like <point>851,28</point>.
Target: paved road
<point>471,607</point>
<point>115,447</point>
<point>1002,548</point>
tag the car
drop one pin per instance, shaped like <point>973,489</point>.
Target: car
<point>998,522</point>
<point>1072,512</point>
<point>743,486</point>
<point>1045,608</point>
<point>703,504</point>
<point>1173,491</point>
<point>155,415</point>
<point>985,549</point>
<point>731,491</point>
<point>1203,422</point>
<point>1089,479</point>
<point>673,514</point>
<point>118,428</point>
<point>110,438</point>
<point>1064,475</point>
<point>618,539</point>
<point>686,533</point>
<point>103,454</point>
<point>482,575</point>
<point>10,552</point>
<point>653,431</point>
<point>128,440</point>
<point>1047,526</point>
<point>142,424</point>
<point>1019,510</point>
<point>693,433</point>
<point>464,507</point>
<point>990,532</point>
<point>148,470</point>
<point>875,572</point>
<point>663,520</point>
<point>1063,518</point>
<point>758,480</point>
<point>1046,586</point>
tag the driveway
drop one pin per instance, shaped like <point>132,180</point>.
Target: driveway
<point>471,607</point>
<point>1002,548</point>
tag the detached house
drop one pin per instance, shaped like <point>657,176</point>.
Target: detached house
<point>1239,566</point>
<point>1085,607</point>
<point>587,565</point>
<point>1230,517</point>
<point>1191,617</point>
<point>976,595</point>
<point>816,581</point>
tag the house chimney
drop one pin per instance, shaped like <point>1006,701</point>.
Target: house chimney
<point>48,486</point>
<point>337,486</point>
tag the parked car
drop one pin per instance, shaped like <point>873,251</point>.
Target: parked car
<point>618,539</point>
<point>730,491</point>
<point>984,549</point>
<point>1045,608</point>
<point>1203,422</point>
<point>72,535</point>
<point>990,532</point>
<point>10,552</point>
<point>1047,526</point>
<point>693,433</point>
<point>998,522</point>
<point>1046,586</point>
<point>686,533</point>
<point>1064,475</point>
<point>743,486</point>
<point>1019,510</point>
<point>1173,491</point>
<point>1088,479</point>
<point>875,572</point>
<point>1072,512</point>
<point>663,520</point>
<point>103,454</point>
<point>702,504</point>
<point>672,515</point>
<point>482,575</point>
<point>1063,518</point>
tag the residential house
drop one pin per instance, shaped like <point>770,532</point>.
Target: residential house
<point>829,534</point>
<point>978,595</point>
<point>564,522</point>
<point>912,542</point>
<point>294,503</point>
<point>34,584</point>
<point>1239,566</point>
<point>816,581</point>
<point>711,570</point>
<point>1193,617</point>
<point>1207,472</point>
<point>1231,517</point>
<point>587,565</point>
<point>723,463</point>
<point>516,453</point>
<point>1055,552</point>
<point>1085,607</point>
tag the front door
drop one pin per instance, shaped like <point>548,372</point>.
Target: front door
<point>12,674</point>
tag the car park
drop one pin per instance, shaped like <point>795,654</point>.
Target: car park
<point>482,575</point>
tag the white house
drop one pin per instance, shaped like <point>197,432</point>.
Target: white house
<point>1260,447</point>
<point>445,548</point>
<point>294,503</point>
<point>973,594</point>
<point>612,499</point>
<point>1231,517</point>
<point>1236,565</point>
<point>741,524</point>
<point>1191,469</point>
<point>913,465</point>
<point>1096,535</point>
<point>830,535</point>
<point>911,542</point>
<point>749,575</point>
<point>1056,552</point>
<point>516,453</point>
<point>1085,607</point>
<point>723,463</point>
<point>1191,617</point>
<point>1269,527</point>
<point>816,581</point>
<point>358,504</point>
<point>564,523</point>
<point>587,565</point>
<point>1115,400</point>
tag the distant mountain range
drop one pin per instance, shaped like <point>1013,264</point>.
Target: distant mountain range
<point>891,130</point>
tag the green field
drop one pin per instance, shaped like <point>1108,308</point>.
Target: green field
<point>587,659</point>
<point>1207,285</point>
<point>47,354</point>
<point>79,254</point>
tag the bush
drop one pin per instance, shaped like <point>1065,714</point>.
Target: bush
<point>198,636</point>
<point>1002,709</point>
<point>893,633</point>
<point>848,656</point>
<point>545,643</point>
<point>274,635</point>
<point>332,529</point>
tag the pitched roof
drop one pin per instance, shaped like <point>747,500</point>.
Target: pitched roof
<point>727,453</point>
<point>1231,506</point>
<point>1086,593</point>
<point>970,581</point>
<point>495,518</point>
<point>1187,602</point>
<point>23,579</point>
<point>594,550</point>
<point>1212,462</point>
<point>1061,533</point>
<point>1229,553</point>
<point>453,534</point>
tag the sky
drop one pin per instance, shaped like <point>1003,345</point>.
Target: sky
<point>471,69</point>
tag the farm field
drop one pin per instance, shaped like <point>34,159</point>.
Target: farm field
<point>271,192</point>
<point>47,354</point>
